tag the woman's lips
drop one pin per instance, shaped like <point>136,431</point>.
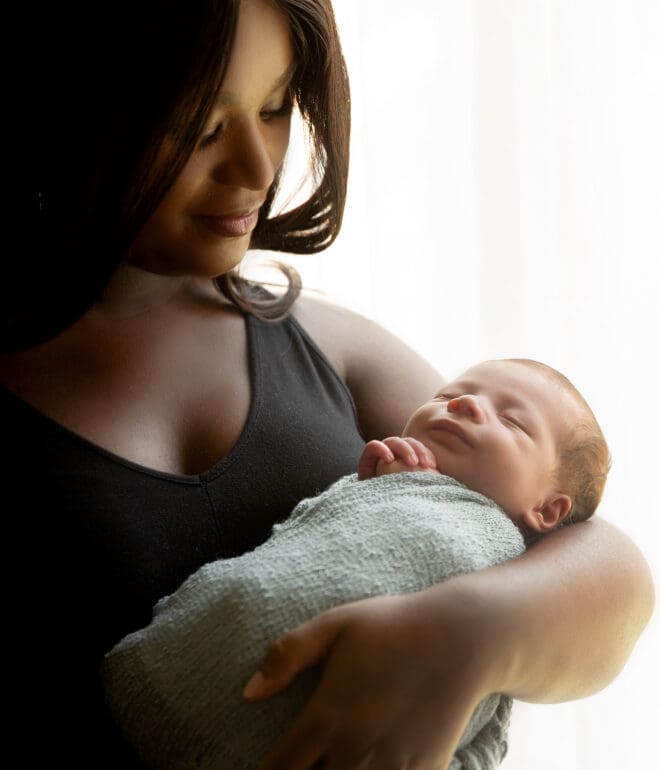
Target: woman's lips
<point>231,225</point>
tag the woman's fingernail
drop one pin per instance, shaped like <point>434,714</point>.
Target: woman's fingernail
<point>254,686</point>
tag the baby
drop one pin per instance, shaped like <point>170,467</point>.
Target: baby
<point>515,430</point>
<point>503,454</point>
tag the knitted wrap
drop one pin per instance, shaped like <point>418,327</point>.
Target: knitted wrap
<point>175,687</point>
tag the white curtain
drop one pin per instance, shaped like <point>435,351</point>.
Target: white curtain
<point>505,200</point>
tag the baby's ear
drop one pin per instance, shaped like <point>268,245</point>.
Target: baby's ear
<point>551,512</point>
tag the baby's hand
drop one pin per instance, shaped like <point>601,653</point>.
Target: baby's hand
<point>393,455</point>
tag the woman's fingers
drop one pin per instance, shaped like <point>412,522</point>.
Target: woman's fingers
<point>298,749</point>
<point>393,694</point>
<point>292,653</point>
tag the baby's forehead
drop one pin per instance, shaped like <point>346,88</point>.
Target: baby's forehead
<point>500,374</point>
<point>513,382</point>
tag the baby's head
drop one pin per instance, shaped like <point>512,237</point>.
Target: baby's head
<point>520,433</point>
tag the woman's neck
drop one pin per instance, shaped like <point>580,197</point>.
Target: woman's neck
<point>133,292</point>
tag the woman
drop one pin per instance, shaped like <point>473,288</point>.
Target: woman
<point>138,398</point>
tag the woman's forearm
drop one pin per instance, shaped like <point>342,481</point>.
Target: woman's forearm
<point>560,621</point>
<point>554,624</point>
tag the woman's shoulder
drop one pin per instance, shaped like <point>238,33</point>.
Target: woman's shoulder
<point>333,328</point>
<point>387,378</point>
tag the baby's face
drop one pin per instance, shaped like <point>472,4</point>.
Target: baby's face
<point>497,429</point>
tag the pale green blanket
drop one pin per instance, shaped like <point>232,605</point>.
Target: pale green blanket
<point>175,686</point>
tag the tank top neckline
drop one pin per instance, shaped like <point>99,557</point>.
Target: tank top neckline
<point>218,467</point>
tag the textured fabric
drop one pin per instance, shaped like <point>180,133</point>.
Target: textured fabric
<point>99,540</point>
<point>175,686</point>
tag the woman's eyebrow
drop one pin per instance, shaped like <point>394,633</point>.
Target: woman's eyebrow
<point>225,98</point>
<point>285,77</point>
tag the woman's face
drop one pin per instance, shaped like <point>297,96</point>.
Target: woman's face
<point>203,225</point>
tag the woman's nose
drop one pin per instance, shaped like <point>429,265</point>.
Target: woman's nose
<point>247,160</point>
<point>467,406</point>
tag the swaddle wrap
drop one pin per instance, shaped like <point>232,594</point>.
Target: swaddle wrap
<point>175,687</point>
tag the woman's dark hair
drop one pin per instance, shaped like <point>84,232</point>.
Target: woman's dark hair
<point>110,102</point>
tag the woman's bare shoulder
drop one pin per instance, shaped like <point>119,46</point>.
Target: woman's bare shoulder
<point>386,377</point>
<point>329,325</point>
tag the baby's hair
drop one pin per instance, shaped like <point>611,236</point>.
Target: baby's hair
<point>584,458</point>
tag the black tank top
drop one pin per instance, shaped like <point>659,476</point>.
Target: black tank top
<point>94,540</point>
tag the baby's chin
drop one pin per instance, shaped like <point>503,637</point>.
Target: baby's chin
<point>513,511</point>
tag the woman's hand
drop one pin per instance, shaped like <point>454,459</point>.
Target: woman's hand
<point>397,689</point>
<point>403,674</point>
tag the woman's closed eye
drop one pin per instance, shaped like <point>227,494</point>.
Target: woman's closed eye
<point>283,111</point>
<point>212,135</point>
<point>266,115</point>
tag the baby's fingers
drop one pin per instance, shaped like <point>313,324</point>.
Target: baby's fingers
<point>425,457</point>
<point>372,454</point>
<point>402,450</point>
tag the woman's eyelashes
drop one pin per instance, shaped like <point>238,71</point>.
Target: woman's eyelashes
<point>212,135</point>
<point>267,115</point>
<point>283,111</point>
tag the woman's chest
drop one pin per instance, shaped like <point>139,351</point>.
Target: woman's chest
<point>102,500</point>
<point>134,531</point>
<point>173,402</point>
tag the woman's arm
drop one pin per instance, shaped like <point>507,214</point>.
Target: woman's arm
<point>572,608</point>
<point>584,593</point>
<point>402,675</point>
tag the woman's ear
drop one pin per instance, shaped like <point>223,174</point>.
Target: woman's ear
<point>551,512</point>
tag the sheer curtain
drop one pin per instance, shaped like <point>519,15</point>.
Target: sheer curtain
<point>505,200</point>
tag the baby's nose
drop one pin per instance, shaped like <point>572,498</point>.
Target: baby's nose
<point>467,406</point>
